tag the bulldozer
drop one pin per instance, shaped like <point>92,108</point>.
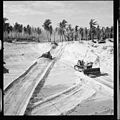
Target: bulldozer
<point>87,69</point>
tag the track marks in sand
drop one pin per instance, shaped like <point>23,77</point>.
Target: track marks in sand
<point>63,101</point>
<point>19,93</point>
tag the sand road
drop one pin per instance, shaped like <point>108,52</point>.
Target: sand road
<point>77,88</point>
<point>64,90</point>
<point>18,93</point>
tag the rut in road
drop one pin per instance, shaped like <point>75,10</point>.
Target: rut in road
<point>67,100</point>
<point>19,92</point>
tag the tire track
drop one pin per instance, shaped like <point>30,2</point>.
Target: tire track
<point>63,102</point>
<point>59,103</point>
<point>41,83</point>
<point>19,92</point>
<point>104,81</point>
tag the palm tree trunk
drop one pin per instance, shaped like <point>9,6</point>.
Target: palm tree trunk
<point>64,37</point>
<point>92,36</point>
<point>50,37</point>
<point>60,38</point>
<point>47,35</point>
<point>79,37</point>
<point>54,36</point>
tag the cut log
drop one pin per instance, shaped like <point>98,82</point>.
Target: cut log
<point>47,55</point>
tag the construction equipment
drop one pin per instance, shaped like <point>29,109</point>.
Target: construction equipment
<point>87,68</point>
<point>93,71</point>
<point>81,65</point>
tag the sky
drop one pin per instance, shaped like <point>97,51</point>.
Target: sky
<point>78,13</point>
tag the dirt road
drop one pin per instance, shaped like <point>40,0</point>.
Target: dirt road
<point>77,87</point>
<point>64,102</point>
<point>64,90</point>
<point>18,93</point>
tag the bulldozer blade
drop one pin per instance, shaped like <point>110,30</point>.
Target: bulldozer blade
<point>92,71</point>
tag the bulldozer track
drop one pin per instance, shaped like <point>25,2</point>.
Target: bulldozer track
<point>33,79</point>
<point>19,92</point>
<point>67,100</point>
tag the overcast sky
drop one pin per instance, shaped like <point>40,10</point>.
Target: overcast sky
<point>79,13</point>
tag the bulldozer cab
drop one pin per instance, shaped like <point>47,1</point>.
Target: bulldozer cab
<point>80,63</point>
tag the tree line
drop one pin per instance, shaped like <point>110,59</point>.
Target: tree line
<point>64,32</point>
<point>19,32</point>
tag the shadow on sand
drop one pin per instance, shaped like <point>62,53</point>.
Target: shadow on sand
<point>98,75</point>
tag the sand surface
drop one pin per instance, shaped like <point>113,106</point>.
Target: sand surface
<point>93,97</point>
<point>19,57</point>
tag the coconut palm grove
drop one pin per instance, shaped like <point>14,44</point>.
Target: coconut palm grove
<point>64,31</point>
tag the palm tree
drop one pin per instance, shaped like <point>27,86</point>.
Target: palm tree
<point>81,32</point>
<point>16,26</point>
<point>112,32</point>
<point>69,32</point>
<point>38,30</point>
<point>86,33</point>
<point>28,29</point>
<point>18,30</point>
<point>103,33</point>
<point>50,31</point>
<point>25,29</point>
<point>64,24</point>
<point>59,30</point>
<point>98,32</point>
<point>55,31</point>
<point>46,26</point>
<point>76,32</point>
<point>92,24</point>
<point>5,25</point>
<point>7,29</point>
<point>62,29</point>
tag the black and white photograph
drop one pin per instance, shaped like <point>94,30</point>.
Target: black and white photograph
<point>58,58</point>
